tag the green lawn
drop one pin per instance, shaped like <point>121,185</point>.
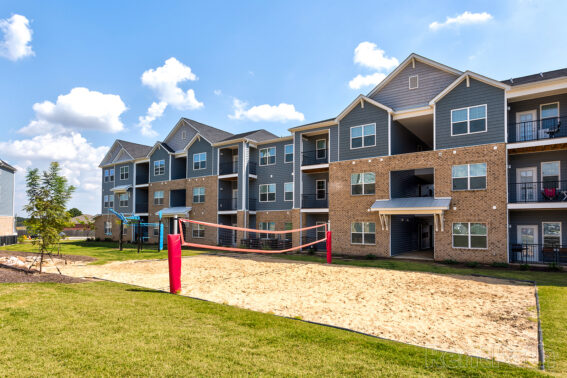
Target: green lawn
<point>103,328</point>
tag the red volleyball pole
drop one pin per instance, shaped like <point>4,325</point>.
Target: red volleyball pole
<point>174,260</point>
<point>329,256</point>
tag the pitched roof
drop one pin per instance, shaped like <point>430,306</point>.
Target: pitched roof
<point>7,166</point>
<point>134,149</point>
<point>536,77</point>
<point>255,135</point>
<point>212,134</point>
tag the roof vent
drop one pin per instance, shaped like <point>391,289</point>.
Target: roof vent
<point>541,74</point>
<point>413,82</point>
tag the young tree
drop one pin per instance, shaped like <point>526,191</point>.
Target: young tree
<point>48,195</point>
<point>74,212</point>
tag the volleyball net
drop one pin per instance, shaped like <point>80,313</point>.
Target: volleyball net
<point>221,237</point>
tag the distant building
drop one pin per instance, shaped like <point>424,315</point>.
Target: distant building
<point>8,234</point>
<point>80,226</point>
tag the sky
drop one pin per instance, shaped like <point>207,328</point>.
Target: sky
<point>75,76</point>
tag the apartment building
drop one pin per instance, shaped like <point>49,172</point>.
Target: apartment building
<point>434,162</point>
<point>8,234</point>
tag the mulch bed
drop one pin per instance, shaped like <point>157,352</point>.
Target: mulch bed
<point>65,257</point>
<point>15,275</point>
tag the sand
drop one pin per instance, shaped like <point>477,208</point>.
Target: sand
<point>482,317</point>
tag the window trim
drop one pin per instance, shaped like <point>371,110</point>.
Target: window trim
<point>159,167</point>
<point>560,232</point>
<point>549,103</point>
<point>267,156</point>
<point>469,236</point>
<point>260,228</point>
<point>317,149</point>
<point>198,194</point>
<point>558,176</point>
<point>120,199</point>
<point>267,193</point>
<point>197,227</point>
<point>363,183</point>
<point>161,198</point>
<point>108,228</point>
<point>183,134</point>
<point>363,233</point>
<point>292,191</point>
<point>416,81</point>
<point>126,173</point>
<point>325,192</point>
<point>362,126</point>
<point>200,161</point>
<point>469,178</point>
<point>111,174</point>
<point>292,154</point>
<point>317,230</point>
<point>469,120</point>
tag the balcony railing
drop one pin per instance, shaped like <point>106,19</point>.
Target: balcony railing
<point>314,157</point>
<point>311,201</point>
<point>537,191</point>
<point>542,129</point>
<point>538,254</point>
<point>228,204</point>
<point>228,168</point>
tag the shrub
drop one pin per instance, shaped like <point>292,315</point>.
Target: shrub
<point>266,247</point>
<point>554,267</point>
<point>21,239</point>
<point>499,265</point>
<point>371,256</point>
<point>107,239</point>
<point>472,264</point>
<point>525,267</point>
<point>450,262</point>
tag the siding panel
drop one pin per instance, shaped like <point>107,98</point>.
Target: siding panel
<point>361,116</point>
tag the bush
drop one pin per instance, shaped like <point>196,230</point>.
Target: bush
<point>97,239</point>
<point>554,267</point>
<point>525,267</point>
<point>266,247</point>
<point>371,256</point>
<point>107,239</point>
<point>450,262</point>
<point>499,265</point>
<point>472,264</point>
<point>21,239</point>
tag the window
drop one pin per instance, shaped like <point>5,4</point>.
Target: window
<point>363,136</point>
<point>288,226</point>
<point>156,231</point>
<point>124,173</point>
<point>362,183</point>
<point>109,200</point>
<point>363,233</point>
<point>198,230</point>
<point>199,161</point>
<point>550,175</point>
<point>549,115</point>
<point>108,228</point>
<point>468,120</point>
<point>158,197</point>
<point>413,82</point>
<point>321,148</point>
<point>183,134</point>
<point>268,156</point>
<point>470,235</point>
<point>267,193</point>
<point>125,229</point>
<point>123,199</point>
<point>159,167</point>
<point>469,176</point>
<point>551,234</point>
<point>321,189</point>
<point>288,153</point>
<point>106,175</point>
<point>267,226</point>
<point>198,195</point>
<point>288,191</point>
<point>320,230</point>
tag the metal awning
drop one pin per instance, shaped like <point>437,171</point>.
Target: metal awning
<point>121,188</point>
<point>179,211</point>
<point>412,206</point>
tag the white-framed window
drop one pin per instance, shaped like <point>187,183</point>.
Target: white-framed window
<point>183,134</point>
<point>158,197</point>
<point>106,175</point>
<point>288,191</point>
<point>363,136</point>
<point>156,230</point>
<point>198,230</point>
<point>321,189</point>
<point>321,149</point>
<point>108,228</point>
<point>288,226</point>
<point>125,229</point>
<point>288,149</point>
<point>267,226</point>
<point>199,161</point>
<point>123,199</point>
<point>109,200</point>
<point>363,233</point>
<point>362,183</point>
<point>413,82</point>
<point>199,195</point>
<point>468,120</point>
<point>124,172</point>
<point>267,192</point>
<point>320,230</point>
<point>550,174</point>
<point>469,176</point>
<point>549,114</point>
<point>551,234</point>
<point>268,156</point>
<point>159,167</point>
<point>470,235</point>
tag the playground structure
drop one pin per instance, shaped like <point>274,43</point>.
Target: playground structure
<point>140,230</point>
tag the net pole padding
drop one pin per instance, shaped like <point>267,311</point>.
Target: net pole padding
<point>329,255</point>
<point>174,262</point>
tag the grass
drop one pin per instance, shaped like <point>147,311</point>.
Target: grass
<point>104,252</point>
<point>102,329</point>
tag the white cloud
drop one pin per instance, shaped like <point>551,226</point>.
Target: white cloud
<point>465,18</point>
<point>266,113</point>
<point>155,111</point>
<point>164,81</point>
<point>217,92</point>
<point>367,54</point>
<point>80,109</point>
<point>360,81</point>
<point>17,37</point>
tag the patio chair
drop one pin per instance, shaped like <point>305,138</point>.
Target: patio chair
<point>554,131</point>
<point>548,254</point>
<point>549,194</point>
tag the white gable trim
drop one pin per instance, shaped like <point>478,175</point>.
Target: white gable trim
<point>411,59</point>
<point>158,144</point>
<point>197,131</point>
<point>193,140</point>
<point>122,152</point>
<point>467,76</point>
<point>360,99</point>
<point>116,142</point>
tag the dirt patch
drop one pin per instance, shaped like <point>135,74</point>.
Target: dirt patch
<point>11,275</point>
<point>483,317</point>
<point>68,258</point>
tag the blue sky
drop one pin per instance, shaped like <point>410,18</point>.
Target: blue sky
<point>240,59</point>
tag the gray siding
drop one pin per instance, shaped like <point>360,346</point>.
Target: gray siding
<point>175,141</point>
<point>6,192</point>
<point>462,96</point>
<point>536,217</point>
<point>333,143</point>
<point>201,146</point>
<point>273,174</point>
<point>129,180</point>
<point>160,153</point>
<point>361,116</point>
<point>106,186</point>
<point>397,95</point>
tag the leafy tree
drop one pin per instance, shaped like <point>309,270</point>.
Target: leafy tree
<point>74,212</point>
<point>48,195</point>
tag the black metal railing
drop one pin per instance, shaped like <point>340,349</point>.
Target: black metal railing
<point>228,168</point>
<point>227,204</point>
<point>314,201</point>
<point>537,191</point>
<point>315,157</point>
<point>538,254</point>
<point>252,204</point>
<point>541,129</point>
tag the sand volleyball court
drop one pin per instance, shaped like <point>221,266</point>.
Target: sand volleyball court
<point>482,317</point>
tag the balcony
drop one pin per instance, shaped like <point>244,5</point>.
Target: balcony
<point>252,204</point>
<point>228,204</point>
<point>309,158</point>
<point>228,168</point>
<point>538,254</point>
<point>141,208</point>
<point>251,168</point>
<point>537,130</point>
<point>537,191</point>
<point>310,201</point>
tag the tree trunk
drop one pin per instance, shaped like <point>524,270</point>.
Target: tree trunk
<point>41,261</point>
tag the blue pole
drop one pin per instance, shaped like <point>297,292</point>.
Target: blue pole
<point>160,232</point>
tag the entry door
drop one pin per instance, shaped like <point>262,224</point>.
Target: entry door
<point>527,235</point>
<point>526,179</point>
<point>425,236</point>
<point>526,126</point>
